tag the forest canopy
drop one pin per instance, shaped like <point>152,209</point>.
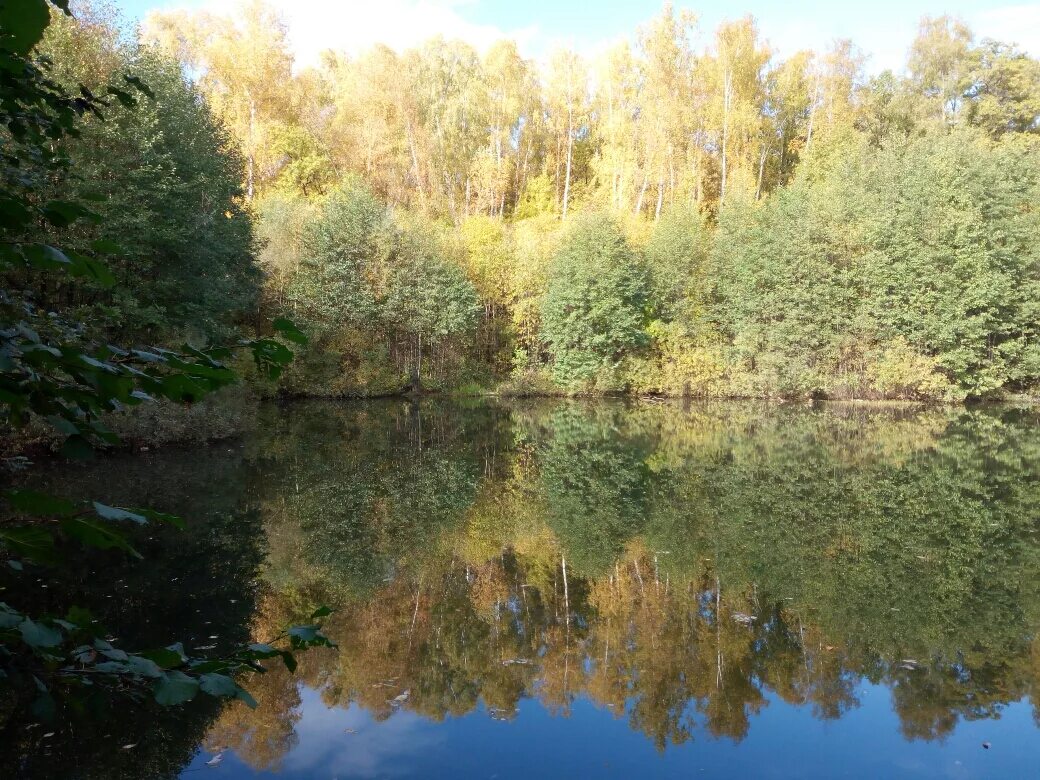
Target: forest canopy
<point>663,218</point>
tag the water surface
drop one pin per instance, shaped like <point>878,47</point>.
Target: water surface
<point>583,589</point>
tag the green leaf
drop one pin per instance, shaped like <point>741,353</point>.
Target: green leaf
<point>45,257</point>
<point>180,388</point>
<point>14,214</point>
<point>175,688</point>
<point>144,667</point>
<point>166,657</point>
<point>139,85</point>
<point>89,268</point>
<point>77,448</point>
<point>217,685</point>
<point>124,97</point>
<point>104,246</point>
<point>22,23</point>
<point>44,708</point>
<point>161,517</point>
<point>40,504</point>
<point>112,667</point>
<point>289,330</point>
<point>289,660</point>
<point>305,633</point>
<point>115,513</point>
<point>35,544</point>
<point>99,535</point>
<point>112,653</point>
<point>62,213</point>
<point>83,619</point>
<point>8,617</point>
<point>244,695</point>
<point>39,635</point>
<point>263,651</point>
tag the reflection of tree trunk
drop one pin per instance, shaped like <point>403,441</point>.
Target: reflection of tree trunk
<point>566,593</point>
<point>718,633</point>
<point>415,614</point>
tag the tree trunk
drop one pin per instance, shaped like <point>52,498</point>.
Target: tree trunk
<point>416,383</point>
<point>570,152</point>
<point>250,188</point>
<point>642,192</point>
<point>726,98</point>
<point>761,171</point>
<point>812,112</point>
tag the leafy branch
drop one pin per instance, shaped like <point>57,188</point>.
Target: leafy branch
<point>50,369</point>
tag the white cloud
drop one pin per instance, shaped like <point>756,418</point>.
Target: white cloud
<point>355,25</point>
<point>1018,24</point>
<point>394,747</point>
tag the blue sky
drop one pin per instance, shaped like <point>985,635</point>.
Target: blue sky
<point>883,28</point>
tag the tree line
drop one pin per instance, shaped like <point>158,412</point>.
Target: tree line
<point>666,218</point>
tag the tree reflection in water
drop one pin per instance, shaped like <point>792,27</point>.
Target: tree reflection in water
<point>673,565</point>
<point>677,566</point>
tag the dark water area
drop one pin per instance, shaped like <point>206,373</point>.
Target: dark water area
<point>577,589</point>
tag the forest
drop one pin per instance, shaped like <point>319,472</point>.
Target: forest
<point>686,214</point>
<point>669,218</point>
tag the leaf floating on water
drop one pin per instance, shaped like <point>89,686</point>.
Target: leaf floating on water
<point>397,701</point>
<point>985,745</point>
<point>349,731</point>
<point>744,619</point>
<point>215,760</point>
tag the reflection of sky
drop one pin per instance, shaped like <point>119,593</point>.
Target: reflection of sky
<point>784,742</point>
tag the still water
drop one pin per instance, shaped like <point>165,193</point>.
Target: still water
<point>565,589</point>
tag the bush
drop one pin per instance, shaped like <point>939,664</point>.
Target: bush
<point>901,372</point>
<point>594,309</point>
<point>677,365</point>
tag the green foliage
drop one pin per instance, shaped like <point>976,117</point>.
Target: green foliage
<point>594,309</point>
<point>676,259</point>
<point>344,249</point>
<point>51,369</point>
<point>161,175</point>
<point>364,280</point>
<point>537,198</point>
<point>1004,95</point>
<point>928,242</point>
<point>427,295</point>
<point>952,264</point>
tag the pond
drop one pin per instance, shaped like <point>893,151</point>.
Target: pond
<point>589,589</point>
